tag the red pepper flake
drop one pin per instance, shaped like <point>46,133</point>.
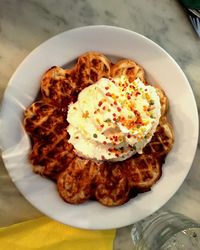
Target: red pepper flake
<point>102,125</point>
<point>128,136</point>
<point>107,88</point>
<point>104,108</point>
<point>110,149</point>
<point>108,94</point>
<point>114,119</point>
<point>111,104</point>
<point>100,103</point>
<point>114,114</point>
<point>128,97</point>
<point>116,138</point>
<point>104,142</point>
<point>118,109</point>
<point>115,103</point>
<point>116,154</point>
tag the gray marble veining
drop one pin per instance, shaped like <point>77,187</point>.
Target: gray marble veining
<point>26,24</point>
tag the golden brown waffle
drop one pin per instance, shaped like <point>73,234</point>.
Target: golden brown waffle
<point>39,117</point>
<point>162,141</point>
<point>142,171</point>
<point>111,186</point>
<point>91,67</point>
<point>128,68</point>
<point>75,184</point>
<point>52,156</point>
<point>163,101</point>
<point>51,152</point>
<point>58,86</point>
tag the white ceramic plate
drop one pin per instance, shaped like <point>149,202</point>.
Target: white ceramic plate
<point>24,86</point>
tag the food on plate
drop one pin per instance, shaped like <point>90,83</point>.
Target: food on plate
<point>99,130</point>
<point>51,152</point>
<point>113,119</point>
<point>128,68</point>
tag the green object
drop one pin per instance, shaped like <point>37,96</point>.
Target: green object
<point>192,4</point>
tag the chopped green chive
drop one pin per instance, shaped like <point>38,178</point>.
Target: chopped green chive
<point>108,120</point>
<point>151,102</point>
<point>134,147</point>
<point>95,135</point>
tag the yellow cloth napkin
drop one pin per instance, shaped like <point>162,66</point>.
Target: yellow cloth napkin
<point>46,234</point>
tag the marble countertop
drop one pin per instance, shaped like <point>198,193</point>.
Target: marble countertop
<point>26,24</point>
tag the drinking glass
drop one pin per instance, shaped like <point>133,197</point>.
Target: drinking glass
<point>165,230</point>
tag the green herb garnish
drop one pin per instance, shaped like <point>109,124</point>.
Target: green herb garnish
<point>151,102</point>
<point>133,147</point>
<point>108,120</point>
<point>95,135</point>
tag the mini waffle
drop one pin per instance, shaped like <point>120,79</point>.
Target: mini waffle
<point>75,184</point>
<point>162,140</point>
<point>112,187</point>
<point>128,68</point>
<point>58,86</point>
<point>163,101</point>
<point>91,67</point>
<point>39,117</point>
<point>142,171</point>
<point>51,152</point>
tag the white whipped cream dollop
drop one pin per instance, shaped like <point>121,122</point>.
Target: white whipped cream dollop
<point>113,119</point>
